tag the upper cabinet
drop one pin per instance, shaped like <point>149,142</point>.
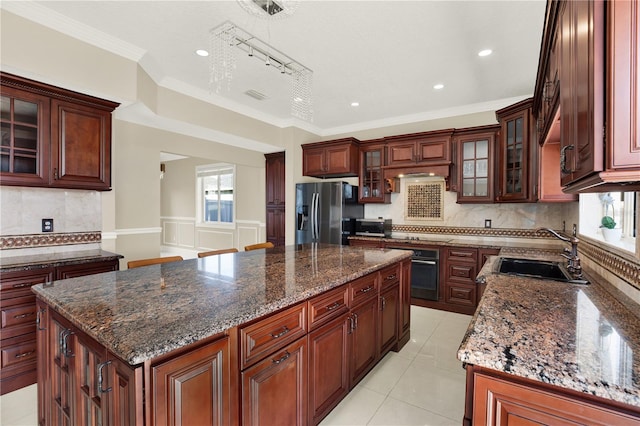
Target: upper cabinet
<point>337,158</point>
<point>428,148</point>
<point>54,137</point>
<point>475,178</point>
<point>517,155</point>
<point>595,47</point>
<point>372,183</point>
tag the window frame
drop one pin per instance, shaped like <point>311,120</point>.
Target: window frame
<point>210,170</point>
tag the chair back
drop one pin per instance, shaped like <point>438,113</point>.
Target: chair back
<point>152,261</point>
<point>266,245</point>
<point>216,252</point>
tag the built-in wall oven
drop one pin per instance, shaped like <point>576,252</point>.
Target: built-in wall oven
<point>424,273</point>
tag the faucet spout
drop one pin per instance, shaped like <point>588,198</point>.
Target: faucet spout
<point>555,234</point>
<point>573,259</point>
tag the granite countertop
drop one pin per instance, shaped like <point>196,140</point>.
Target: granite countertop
<point>135,318</point>
<point>579,337</point>
<point>458,241</point>
<point>16,263</point>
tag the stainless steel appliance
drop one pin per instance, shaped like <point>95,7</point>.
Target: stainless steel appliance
<point>424,273</point>
<point>373,227</point>
<point>326,212</point>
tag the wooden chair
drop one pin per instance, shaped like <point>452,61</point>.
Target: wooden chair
<point>215,252</point>
<point>152,261</point>
<point>258,246</point>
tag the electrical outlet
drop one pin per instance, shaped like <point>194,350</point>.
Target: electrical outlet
<point>47,225</point>
<point>487,223</point>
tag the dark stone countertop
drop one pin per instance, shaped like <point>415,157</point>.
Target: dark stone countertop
<point>24,263</point>
<point>129,313</point>
<point>580,337</point>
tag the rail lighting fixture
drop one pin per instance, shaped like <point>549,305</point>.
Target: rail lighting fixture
<point>227,39</point>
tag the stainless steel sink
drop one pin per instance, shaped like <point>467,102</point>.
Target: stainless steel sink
<point>541,269</point>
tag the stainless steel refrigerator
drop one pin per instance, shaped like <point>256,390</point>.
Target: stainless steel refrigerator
<point>326,212</point>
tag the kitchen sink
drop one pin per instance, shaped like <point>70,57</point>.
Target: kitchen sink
<point>542,269</point>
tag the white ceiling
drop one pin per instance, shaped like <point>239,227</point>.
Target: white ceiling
<point>386,55</point>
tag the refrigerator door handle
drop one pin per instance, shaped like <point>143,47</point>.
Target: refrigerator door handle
<point>317,224</point>
<point>312,215</point>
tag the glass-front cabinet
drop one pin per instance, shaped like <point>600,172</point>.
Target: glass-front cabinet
<point>476,170</point>
<point>23,129</point>
<point>372,184</point>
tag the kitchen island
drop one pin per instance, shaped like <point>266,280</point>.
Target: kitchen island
<point>279,335</point>
<point>551,352</point>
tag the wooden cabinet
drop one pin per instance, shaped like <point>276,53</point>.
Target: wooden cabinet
<point>363,299</point>
<point>476,164</point>
<point>19,314</point>
<point>517,155</point>
<point>460,287</point>
<point>389,314</point>
<point>495,398</point>
<point>404,324</point>
<point>195,387</point>
<point>595,46</point>
<point>427,148</point>
<point>373,188</point>
<point>276,193</point>
<point>54,137</point>
<point>337,158</point>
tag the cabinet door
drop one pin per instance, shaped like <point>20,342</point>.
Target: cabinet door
<point>340,160</point>
<point>313,161</point>
<point>405,303</point>
<point>60,368</point>
<point>434,151</point>
<point>126,390</point>
<point>328,367</point>
<point>194,388</point>
<point>89,384</point>
<point>42,347</point>
<point>24,148</point>
<point>401,153</point>
<point>476,168</point>
<point>275,225</point>
<point>83,269</point>
<point>274,391</point>
<point>516,158</point>
<point>80,146</point>
<point>372,184</point>
<point>389,311</point>
<point>275,177</point>
<point>364,339</point>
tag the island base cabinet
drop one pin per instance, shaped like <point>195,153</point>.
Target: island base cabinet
<point>274,390</point>
<point>364,339</point>
<point>194,388</point>
<point>498,400</point>
<point>328,367</point>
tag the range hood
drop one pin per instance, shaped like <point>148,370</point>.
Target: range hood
<point>417,171</point>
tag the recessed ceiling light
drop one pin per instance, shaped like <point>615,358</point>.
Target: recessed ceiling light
<point>297,99</point>
<point>202,52</point>
<point>485,52</point>
<point>355,104</point>
<point>438,86</point>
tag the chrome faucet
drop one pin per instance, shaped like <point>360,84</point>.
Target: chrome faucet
<point>573,261</point>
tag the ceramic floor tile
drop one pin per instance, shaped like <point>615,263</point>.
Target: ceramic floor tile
<point>433,389</point>
<point>441,354</point>
<point>386,374</point>
<point>356,409</point>
<point>398,413</point>
<point>17,405</point>
<point>413,346</point>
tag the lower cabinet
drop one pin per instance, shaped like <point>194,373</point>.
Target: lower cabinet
<point>496,399</point>
<point>364,339</point>
<point>389,312</point>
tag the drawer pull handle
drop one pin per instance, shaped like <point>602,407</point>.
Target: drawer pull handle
<point>28,314</point>
<point>282,358</point>
<point>100,378</point>
<point>355,320</point>
<point>39,319</point>
<point>64,337</point>
<point>22,355</point>
<point>383,304</point>
<point>22,285</point>
<point>366,289</point>
<point>284,331</point>
<point>334,306</point>
<point>391,277</point>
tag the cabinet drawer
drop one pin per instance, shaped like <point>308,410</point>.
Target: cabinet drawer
<point>389,276</point>
<point>18,283</point>
<point>465,273</point>
<point>462,254</point>
<point>272,333</point>
<point>325,307</point>
<point>363,289</point>
<point>461,295</point>
<point>16,315</point>
<point>19,353</point>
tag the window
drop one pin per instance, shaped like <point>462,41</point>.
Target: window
<point>622,207</point>
<point>215,194</point>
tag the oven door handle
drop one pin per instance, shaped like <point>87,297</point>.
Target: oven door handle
<point>424,262</point>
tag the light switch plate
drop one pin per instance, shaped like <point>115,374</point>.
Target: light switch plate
<point>47,225</point>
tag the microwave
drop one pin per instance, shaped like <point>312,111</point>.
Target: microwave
<point>373,227</point>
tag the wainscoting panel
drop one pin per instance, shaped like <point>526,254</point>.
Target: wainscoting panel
<point>214,239</point>
<point>170,233</point>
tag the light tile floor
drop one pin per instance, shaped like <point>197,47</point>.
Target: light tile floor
<point>423,384</point>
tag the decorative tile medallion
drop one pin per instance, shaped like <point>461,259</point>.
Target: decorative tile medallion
<point>45,240</point>
<point>424,201</point>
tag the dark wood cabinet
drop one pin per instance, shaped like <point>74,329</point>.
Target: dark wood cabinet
<point>194,388</point>
<point>389,314</point>
<point>495,398</point>
<point>427,148</point>
<point>337,158</point>
<point>373,187</point>
<point>54,137</point>
<point>404,325</point>
<point>364,339</point>
<point>476,164</point>
<point>274,391</point>
<point>517,177</point>
<point>19,315</point>
<point>275,194</point>
<point>460,287</point>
